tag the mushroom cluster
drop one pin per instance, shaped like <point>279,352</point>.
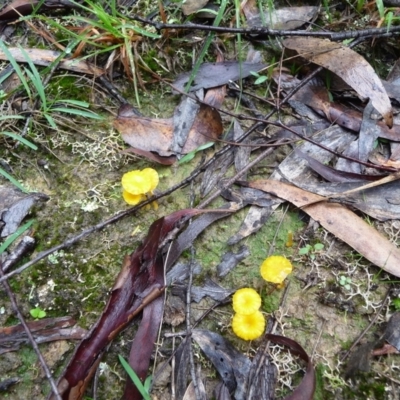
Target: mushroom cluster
<point>248,323</point>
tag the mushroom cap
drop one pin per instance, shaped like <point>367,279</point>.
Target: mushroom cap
<point>152,176</point>
<point>248,327</point>
<point>140,182</point>
<point>132,199</point>
<point>275,269</point>
<point>246,301</point>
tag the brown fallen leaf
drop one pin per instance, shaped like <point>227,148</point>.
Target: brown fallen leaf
<point>287,18</point>
<point>192,6</point>
<point>341,222</point>
<point>349,65</point>
<point>25,7</point>
<point>156,135</point>
<point>46,57</point>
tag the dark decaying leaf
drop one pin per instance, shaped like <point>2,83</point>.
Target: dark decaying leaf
<point>254,220</point>
<point>359,360</point>
<point>391,336</point>
<point>294,169</point>
<point>44,330</point>
<point>182,359</point>
<point>210,289</point>
<point>232,365</point>
<point>392,331</point>
<point>4,385</point>
<point>196,391</point>
<point>151,135</point>
<point>14,206</point>
<point>214,173</point>
<point>186,238</point>
<point>368,134</point>
<point>347,64</point>
<point>242,153</point>
<point>183,120</point>
<point>316,96</point>
<point>221,392</point>
<point>139,283</point>
<point>25,7</point>
<point>389,343</point>
<point>180,272</point>
<point>211,75</point>
<point>333,175</point>
<point>263,375</point>
<point>230,260</point>
<point>380,202</point>
<point>143,343</point>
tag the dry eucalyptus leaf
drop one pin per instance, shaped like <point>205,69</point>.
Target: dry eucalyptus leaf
<point>282,18</point>
<point>155,135</point>
<point>341,222</point>
<point>349,65</point>
<point>46,57</point>
<point>192,6</point>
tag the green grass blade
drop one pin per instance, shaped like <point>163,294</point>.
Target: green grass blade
<point>16,67</point>
<point>79,103</point>
<point>15,236</point>
<point>135,379</point>
<point>13,180</point>
<point>21,139</point>
<point>204,50</point>
<point>35,78</point>
<point>75,111</point>
<point>38,86</point>
<point>50,120</point>
<point>5,117</point>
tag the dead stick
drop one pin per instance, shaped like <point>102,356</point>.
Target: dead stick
<point>30,336</point>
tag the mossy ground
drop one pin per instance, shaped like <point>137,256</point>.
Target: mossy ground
<point>79,166</point>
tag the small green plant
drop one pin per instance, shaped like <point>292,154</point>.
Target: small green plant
<point>260,78</point>
<point>311,250</point>
<point>345,281</point>
<point>189,156</point>
<point>396,304</point>
<point>144,388</point>
<point>37,313</point>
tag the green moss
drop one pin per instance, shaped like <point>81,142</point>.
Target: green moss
<point>270,302</point>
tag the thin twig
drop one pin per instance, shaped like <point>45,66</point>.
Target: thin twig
<point>259,33</point>
<point>30,336</point>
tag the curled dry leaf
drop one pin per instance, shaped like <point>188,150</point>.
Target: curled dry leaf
<point>349,65</point>
<point>152,135</point>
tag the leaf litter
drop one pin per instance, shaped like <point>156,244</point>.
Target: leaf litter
<point>170,136</point>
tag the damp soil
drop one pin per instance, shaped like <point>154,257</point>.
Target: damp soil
<point>79,167</point>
